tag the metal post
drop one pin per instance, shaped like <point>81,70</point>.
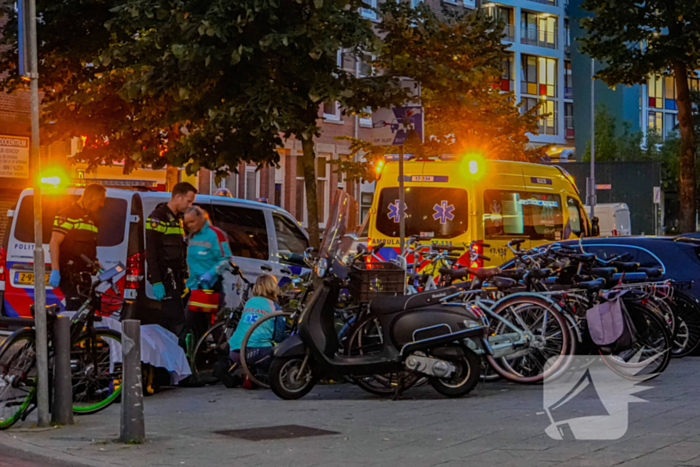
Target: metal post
<point>39,263</point>
<point>62,409</point>
<point>592,194</point>
<point>132,428</point>
<point>402,219</point>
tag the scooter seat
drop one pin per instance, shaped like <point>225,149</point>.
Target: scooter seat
<point>392,304</point>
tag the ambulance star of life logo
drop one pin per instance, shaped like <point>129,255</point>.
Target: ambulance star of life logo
<point>590,401</point>
<point>394,211</point>
<point>443,212</point>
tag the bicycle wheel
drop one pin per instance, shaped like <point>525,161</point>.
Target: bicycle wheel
<point>650,353</point>
<point>550,347</point>
<point>687,336</point>
<point>95,372</point>
<point>365,339</point>
<point>17,376</point>
<point>212,345</point>
<point>244,345</point>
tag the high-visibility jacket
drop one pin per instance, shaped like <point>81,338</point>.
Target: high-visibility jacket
<point>165,246</point>
<point>208,251</point>
<point>80,230</point>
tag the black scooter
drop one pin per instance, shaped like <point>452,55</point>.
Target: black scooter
<point>417,334</point>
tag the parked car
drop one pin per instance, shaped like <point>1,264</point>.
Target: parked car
<point>263,239</point>
<point>679,257</point>
<point>614,219</point>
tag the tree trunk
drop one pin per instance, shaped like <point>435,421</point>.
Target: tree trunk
<point>687,169</point>
<point>309,163</point>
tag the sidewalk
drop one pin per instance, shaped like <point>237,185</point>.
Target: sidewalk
<point>499,424</point>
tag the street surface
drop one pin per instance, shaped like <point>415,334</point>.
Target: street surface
<point>497,425</point>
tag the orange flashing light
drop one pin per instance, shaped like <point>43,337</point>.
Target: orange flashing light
<point>380,167</point>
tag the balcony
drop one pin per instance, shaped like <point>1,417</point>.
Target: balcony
<point>507,85</point>
<point>546,2</point>
<point>509,31</point>
<point>538,89</point>
<point>532,35</point>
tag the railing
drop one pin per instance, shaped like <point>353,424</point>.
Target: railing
<point>546,2</point>
<point>532,35</point>
<point>509,31</point>
<point>507,85</point>
<point>548,125</point>
<point>538,89</point>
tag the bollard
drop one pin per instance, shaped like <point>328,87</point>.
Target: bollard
<point>132,428</point>
<point>62,409</point>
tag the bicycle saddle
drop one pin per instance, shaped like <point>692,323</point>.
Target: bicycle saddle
<point>605,273</point>
<point>591,286</point>
<point>503,283</point>
<point>516,274</point>
<point>539,273</point>
<point>51,311</point>
<point>454,273</point>
<point>652,273</point>
<point>384,305</point>
<point>623,266</point>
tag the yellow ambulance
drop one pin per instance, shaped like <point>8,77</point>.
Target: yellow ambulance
<point>455,200</point>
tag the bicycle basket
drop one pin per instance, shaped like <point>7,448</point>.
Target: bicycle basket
<point>368,281</point>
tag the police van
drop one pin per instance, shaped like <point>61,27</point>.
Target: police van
<point>263,239</point>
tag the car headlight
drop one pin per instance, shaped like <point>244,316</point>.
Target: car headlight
<point>322,267</point>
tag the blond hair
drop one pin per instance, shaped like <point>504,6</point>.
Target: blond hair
<point>266,286</point>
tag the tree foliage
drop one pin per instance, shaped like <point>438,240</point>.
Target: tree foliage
<point>637,39</point>
<point>457,60</point>
<point>200,83</point>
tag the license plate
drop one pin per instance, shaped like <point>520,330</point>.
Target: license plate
<point>27,278</point>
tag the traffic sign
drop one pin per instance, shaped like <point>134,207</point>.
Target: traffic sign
<point>391,126</point>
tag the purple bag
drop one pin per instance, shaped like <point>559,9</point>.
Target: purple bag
<point>609,323</point>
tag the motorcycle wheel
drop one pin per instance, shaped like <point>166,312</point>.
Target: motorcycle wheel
<point>463,380</point>
<point>285,380</point>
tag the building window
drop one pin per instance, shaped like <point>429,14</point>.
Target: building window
<point>671,123</point>
<point>538,29</point>
<point>656,93</point>
<point>507,74</point>
<point>252,179</point>
<point>539,76</point>
<point>322,187</point>
<point>670,93</point>
<point>656,122</point>
<point>569,119</point>
<point>503,15</point>
<point>369,12</point>
<point>364,69</point>
<point>568,81</point>
<point>567,36</point>
<point>331,111</point>
<point>548,123</point>
<point>300,207</point>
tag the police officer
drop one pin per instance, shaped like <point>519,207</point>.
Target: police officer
<point>166,256</point>
<point>75,234</point>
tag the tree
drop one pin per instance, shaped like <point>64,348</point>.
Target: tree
<point>457,59</point>
<point>635,40</point>
<point>202,83</point>
<point>611,146</point>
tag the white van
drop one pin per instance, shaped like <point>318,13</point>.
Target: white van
<point>614,219</point>
<point>263,239</point>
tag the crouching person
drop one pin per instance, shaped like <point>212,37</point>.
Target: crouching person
<point>260,346</point>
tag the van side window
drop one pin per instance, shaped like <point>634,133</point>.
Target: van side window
<point>289,238</point>
<point>111,222</point>
<point>246,230</point>
<point>635,255</point>
<point>537,216</point>
<point>576,222</point>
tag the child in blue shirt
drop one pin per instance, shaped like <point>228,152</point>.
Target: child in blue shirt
<point>260,346</point>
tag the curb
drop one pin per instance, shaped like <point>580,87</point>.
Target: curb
<point>30,451</point>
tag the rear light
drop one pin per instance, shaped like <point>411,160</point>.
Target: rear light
<point>3,263</point>
<point>477,249</point>
<point>135,270</point>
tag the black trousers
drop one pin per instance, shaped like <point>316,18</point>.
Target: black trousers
<point>172,307</point>
<point>69,286</point>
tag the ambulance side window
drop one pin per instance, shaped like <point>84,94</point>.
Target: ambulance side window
<point>577,220</point>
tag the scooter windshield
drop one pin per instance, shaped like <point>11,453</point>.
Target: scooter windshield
<point>334,246</point>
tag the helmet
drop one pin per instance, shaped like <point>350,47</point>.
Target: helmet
<point>223,192</point>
